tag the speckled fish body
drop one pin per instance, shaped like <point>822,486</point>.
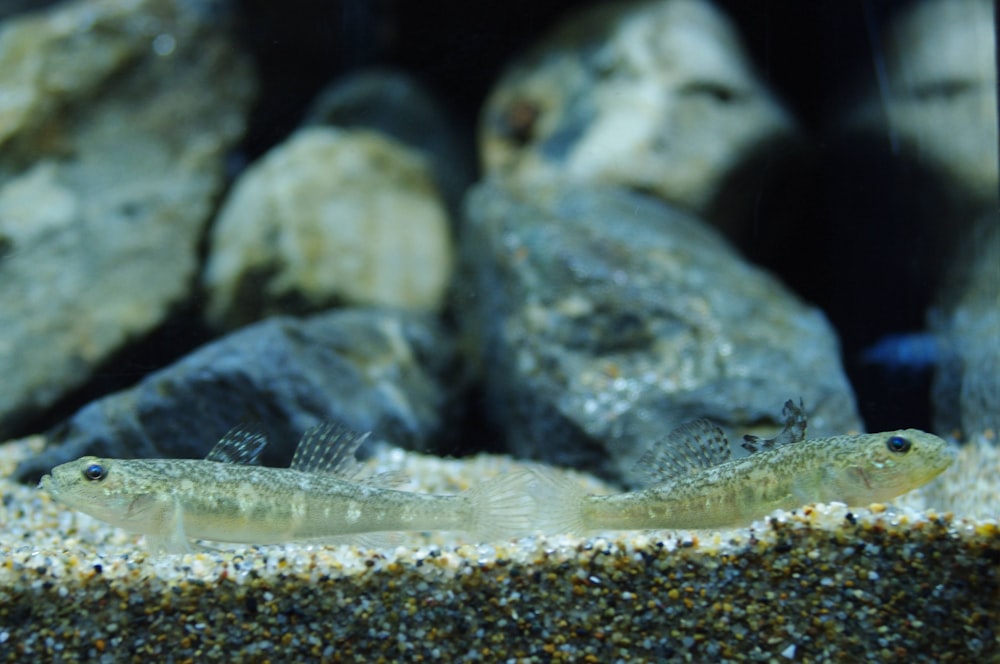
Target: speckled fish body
<point>696,484</point>
<point>320,497</point>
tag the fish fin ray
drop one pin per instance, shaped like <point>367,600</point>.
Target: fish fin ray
<point>560,501</point>
<point>794,430</point>
<point>504,507</point>
<point>171,539</point>
<point>329,448</point>
<point>242,445</point>
<point>392,479</point>
<point>691,447</point>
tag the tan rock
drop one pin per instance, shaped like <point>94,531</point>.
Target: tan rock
<point>330,216</point>
<point>657,96</point>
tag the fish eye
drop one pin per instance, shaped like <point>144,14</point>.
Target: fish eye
<point>898,445</point>
<point>95,472</point>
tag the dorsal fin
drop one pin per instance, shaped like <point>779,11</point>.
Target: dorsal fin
<point>242,444</point>
<point>329,448</point>
<point>689,448</point>
<point>794,431</point>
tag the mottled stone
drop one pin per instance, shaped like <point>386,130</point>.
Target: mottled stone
<point>398,106</point>
<point>330,216</point>
<point>657,96</point>
<point>604,318</point>
<point>372,370</point>
<point>115,119</point>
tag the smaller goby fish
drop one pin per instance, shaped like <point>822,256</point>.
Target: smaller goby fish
<point>695,484</point>
<point>228,498</point>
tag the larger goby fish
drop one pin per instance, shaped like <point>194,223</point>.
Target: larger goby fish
<point>228,498</point>
<point>693,482</point>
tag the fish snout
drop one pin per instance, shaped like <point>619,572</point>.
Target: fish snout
<point>48,483</point>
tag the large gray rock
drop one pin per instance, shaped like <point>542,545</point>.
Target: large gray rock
<point>372,370</point>
<point>657,96</point>
<point>603,318</point>
<point>115,119</point>
<point>330,216</point>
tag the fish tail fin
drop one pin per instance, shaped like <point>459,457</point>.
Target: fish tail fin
<point>561,504</point>
<point>504,507</point>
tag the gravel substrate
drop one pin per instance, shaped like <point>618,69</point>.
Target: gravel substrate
<point>820,584</point>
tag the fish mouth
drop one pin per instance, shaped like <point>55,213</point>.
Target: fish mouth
<point>47,484</point>
<point>944,460</point>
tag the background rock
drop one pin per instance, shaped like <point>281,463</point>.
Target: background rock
<point>911,170</point>
<point>330,216</point>
<point>816,56</point>
<point>966,322</point>
<point>373,370</point>
<point>115,121</point>
<point>603,319</point>
<point>398,106</point>
<point>939,104</point>
<point>657,96</point>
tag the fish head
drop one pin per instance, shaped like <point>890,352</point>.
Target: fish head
<point>881,466</point>
<point>107,489</point>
